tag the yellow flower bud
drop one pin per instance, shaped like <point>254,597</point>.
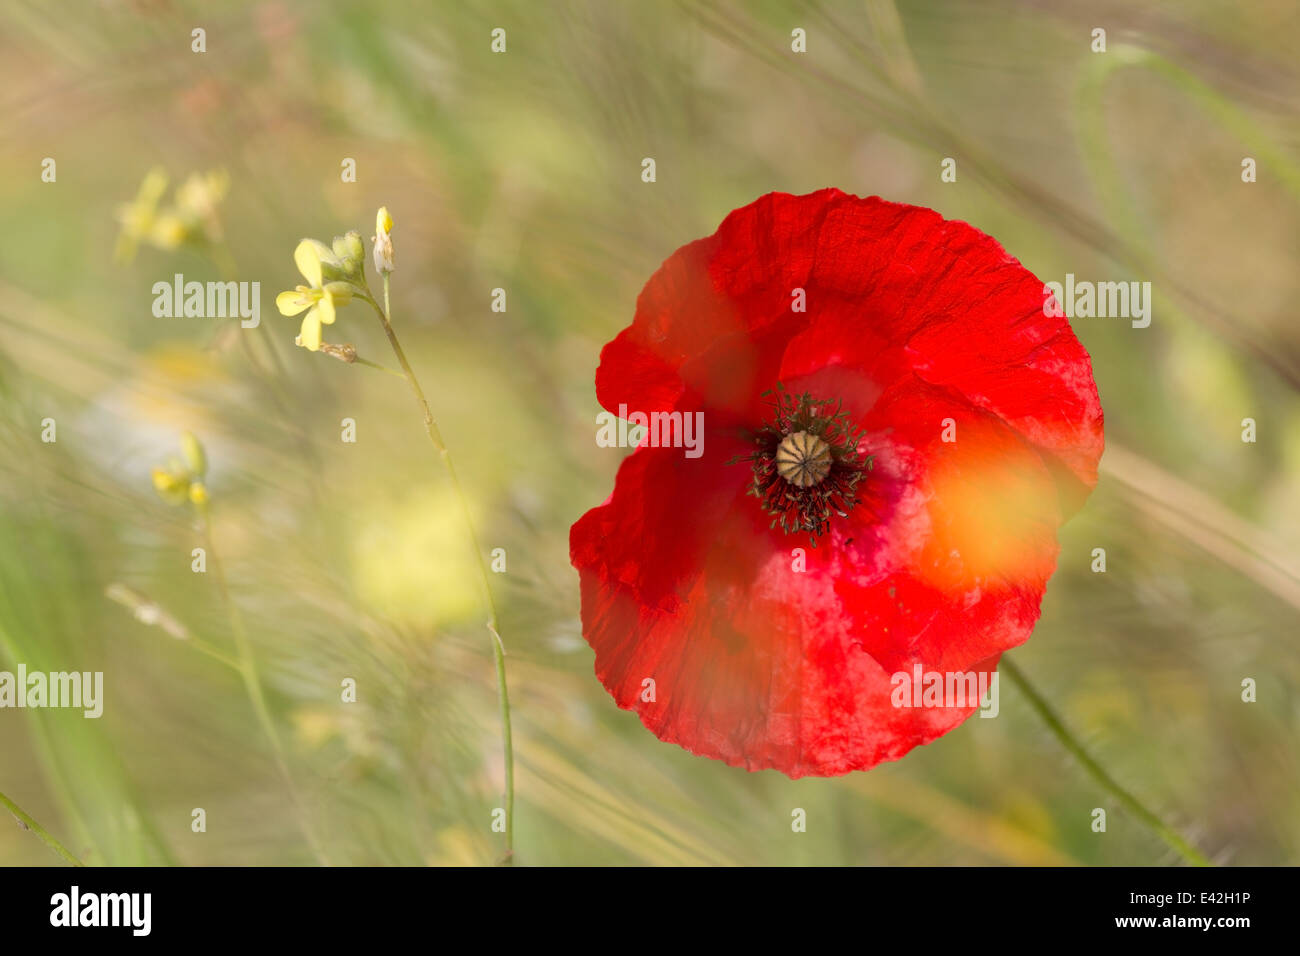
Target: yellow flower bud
<point>170,485</point>
<point>340,293</point>
<point>192,451</point>
<point>383,250</point>
<point>351,253</point>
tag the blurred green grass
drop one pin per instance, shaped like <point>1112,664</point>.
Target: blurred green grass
<point>521,171</point>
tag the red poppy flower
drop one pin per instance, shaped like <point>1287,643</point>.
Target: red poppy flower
<point>878,490</point>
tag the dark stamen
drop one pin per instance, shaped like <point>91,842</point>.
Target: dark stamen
<point>806,463</point>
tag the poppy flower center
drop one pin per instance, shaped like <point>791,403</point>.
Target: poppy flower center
<point>803,459</point>
<point>806,463</point>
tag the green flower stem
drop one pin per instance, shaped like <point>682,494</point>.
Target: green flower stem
<point>55,776</point>
<point>375,365</point>
<point>246,664</point>
<point>498,647</point>
<point>1097,772</point>
<point>29,824</point>
<point>216,654</point>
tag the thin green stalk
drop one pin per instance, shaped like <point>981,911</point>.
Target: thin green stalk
<point>246,664</point>
<point>27,823</point>
<point>375,365</point>
<point>203,647</point>
<point>498,647</point>
<point>55,776</point>
<point>1099,773</point>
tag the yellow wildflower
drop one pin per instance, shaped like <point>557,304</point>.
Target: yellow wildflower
<point>197,199</point>
<point>191,216</point>
<point>318,297</point>
<point>139,217</point>
<point>182,479</point>
<point>172,484</point>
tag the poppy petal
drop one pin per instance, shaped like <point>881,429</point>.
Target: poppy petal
<point>702,625</point>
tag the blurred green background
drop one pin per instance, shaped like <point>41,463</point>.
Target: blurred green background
<point>522,171</point>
